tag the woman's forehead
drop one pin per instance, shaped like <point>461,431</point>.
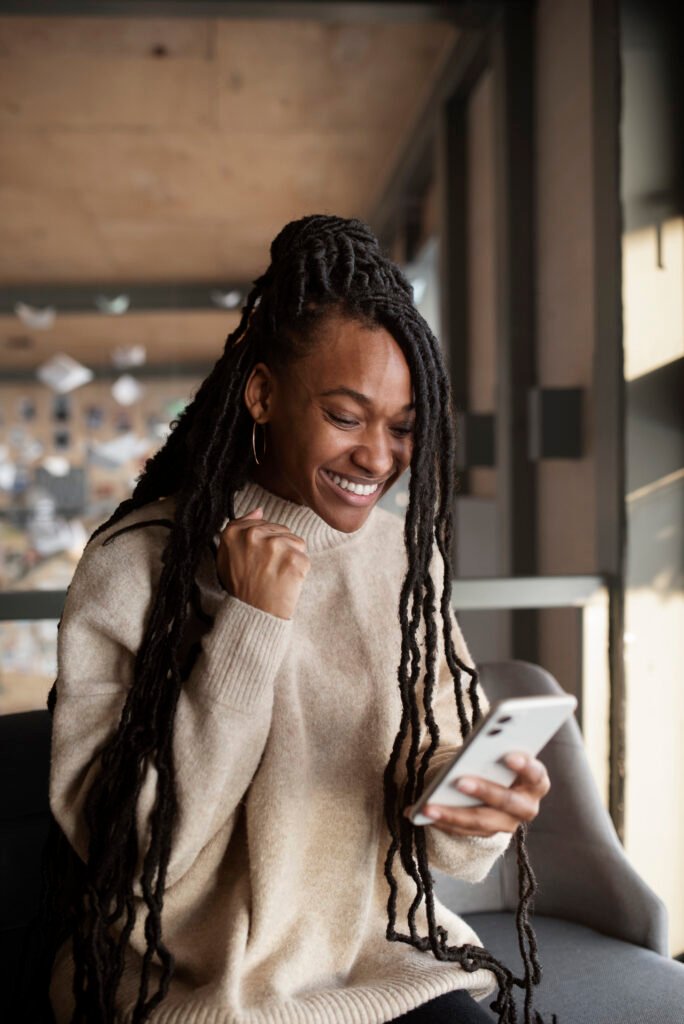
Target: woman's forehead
<point>349,352</point>
<point>378,388</point>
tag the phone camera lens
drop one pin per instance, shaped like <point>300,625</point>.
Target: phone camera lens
<point>494,732</point>
<point>504,718</point>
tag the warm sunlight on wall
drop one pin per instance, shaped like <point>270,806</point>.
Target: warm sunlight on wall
<point>654,822</point>
<point>653,307</point>
<point>653,297</point>
<point>596,690</point>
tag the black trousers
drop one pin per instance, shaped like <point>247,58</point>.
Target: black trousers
<point>452,1008</point>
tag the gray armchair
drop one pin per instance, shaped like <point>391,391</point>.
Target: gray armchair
<point>602,932</point>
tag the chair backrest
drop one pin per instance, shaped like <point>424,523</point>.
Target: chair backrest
<point>24,820</point>
<point>580,865</point>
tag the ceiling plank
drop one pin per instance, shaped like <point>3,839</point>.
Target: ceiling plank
<point>174,336</point>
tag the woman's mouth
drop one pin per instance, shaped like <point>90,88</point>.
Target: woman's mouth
<point>349,490</point>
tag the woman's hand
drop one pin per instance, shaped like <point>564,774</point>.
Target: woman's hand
<point>503,808</point>
<point>263,564</point>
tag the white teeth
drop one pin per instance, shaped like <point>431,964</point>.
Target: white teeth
<point>348,485</point>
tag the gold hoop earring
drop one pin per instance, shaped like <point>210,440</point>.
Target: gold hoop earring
<point>254,444</point>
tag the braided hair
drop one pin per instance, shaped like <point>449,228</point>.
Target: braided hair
<point>320,265</point>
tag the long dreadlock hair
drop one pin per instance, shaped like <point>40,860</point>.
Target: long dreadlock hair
<point>320,264</point>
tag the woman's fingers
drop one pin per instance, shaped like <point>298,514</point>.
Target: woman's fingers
<point>478,821</point>
<point>502,808</point>
<point>474,825</point>
<point>531,772</point>
<point>263,564</point>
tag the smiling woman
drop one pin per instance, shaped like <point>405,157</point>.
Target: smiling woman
<point>328,445</point>
<point>256,665</point>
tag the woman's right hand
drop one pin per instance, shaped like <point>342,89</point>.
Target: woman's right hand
<point>263,564</point>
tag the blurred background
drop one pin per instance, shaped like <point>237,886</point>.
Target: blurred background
<point>523,164</point>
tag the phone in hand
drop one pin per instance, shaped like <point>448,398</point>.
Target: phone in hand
<point>517,724</point>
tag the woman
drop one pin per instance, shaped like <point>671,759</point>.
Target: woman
<point>237,713</point>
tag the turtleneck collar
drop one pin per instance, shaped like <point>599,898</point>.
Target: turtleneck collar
<point>301,519</point>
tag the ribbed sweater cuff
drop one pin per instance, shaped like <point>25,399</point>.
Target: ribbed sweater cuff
<point>242,653</point>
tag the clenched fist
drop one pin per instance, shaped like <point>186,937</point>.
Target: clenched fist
<point>263,564</point>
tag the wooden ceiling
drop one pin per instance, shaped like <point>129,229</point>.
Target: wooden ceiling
<point>146,150</point>
<point>171,337</point>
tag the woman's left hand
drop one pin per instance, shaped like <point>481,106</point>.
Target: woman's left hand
<point>503,808</point>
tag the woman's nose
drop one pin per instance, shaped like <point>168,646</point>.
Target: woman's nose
<point>375,456</point>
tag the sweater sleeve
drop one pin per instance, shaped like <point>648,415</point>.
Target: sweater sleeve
<point>223,714</point>
<point>466,857</point>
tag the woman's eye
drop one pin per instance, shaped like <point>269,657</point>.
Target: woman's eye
<point>341,420</point>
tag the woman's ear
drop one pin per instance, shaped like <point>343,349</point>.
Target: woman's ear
<point>259,393</point>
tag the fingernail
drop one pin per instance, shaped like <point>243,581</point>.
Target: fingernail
<point>467,785</point>
<point>433,813</point>
<point>515,761</point>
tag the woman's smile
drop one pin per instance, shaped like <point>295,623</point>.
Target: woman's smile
<point>350,490</point>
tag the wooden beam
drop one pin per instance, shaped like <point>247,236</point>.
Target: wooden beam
<point>609,382</point>
<point>415,166</point>
<point>516,484</point>
<point>83,298</point>
<point>465,13</point>
<point>193,370</point>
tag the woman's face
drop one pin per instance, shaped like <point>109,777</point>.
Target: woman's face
<point>338,422</point>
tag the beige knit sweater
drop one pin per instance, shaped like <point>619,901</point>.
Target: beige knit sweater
<point>275,906</point>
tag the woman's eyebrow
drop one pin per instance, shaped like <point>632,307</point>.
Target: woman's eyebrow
<point>357,396</point>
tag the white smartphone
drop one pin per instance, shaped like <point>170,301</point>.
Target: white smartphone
<point>524,724</point>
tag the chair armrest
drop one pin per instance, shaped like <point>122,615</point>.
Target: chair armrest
<point>582,870</point>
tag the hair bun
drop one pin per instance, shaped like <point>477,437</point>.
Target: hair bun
<point>318,229</point>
